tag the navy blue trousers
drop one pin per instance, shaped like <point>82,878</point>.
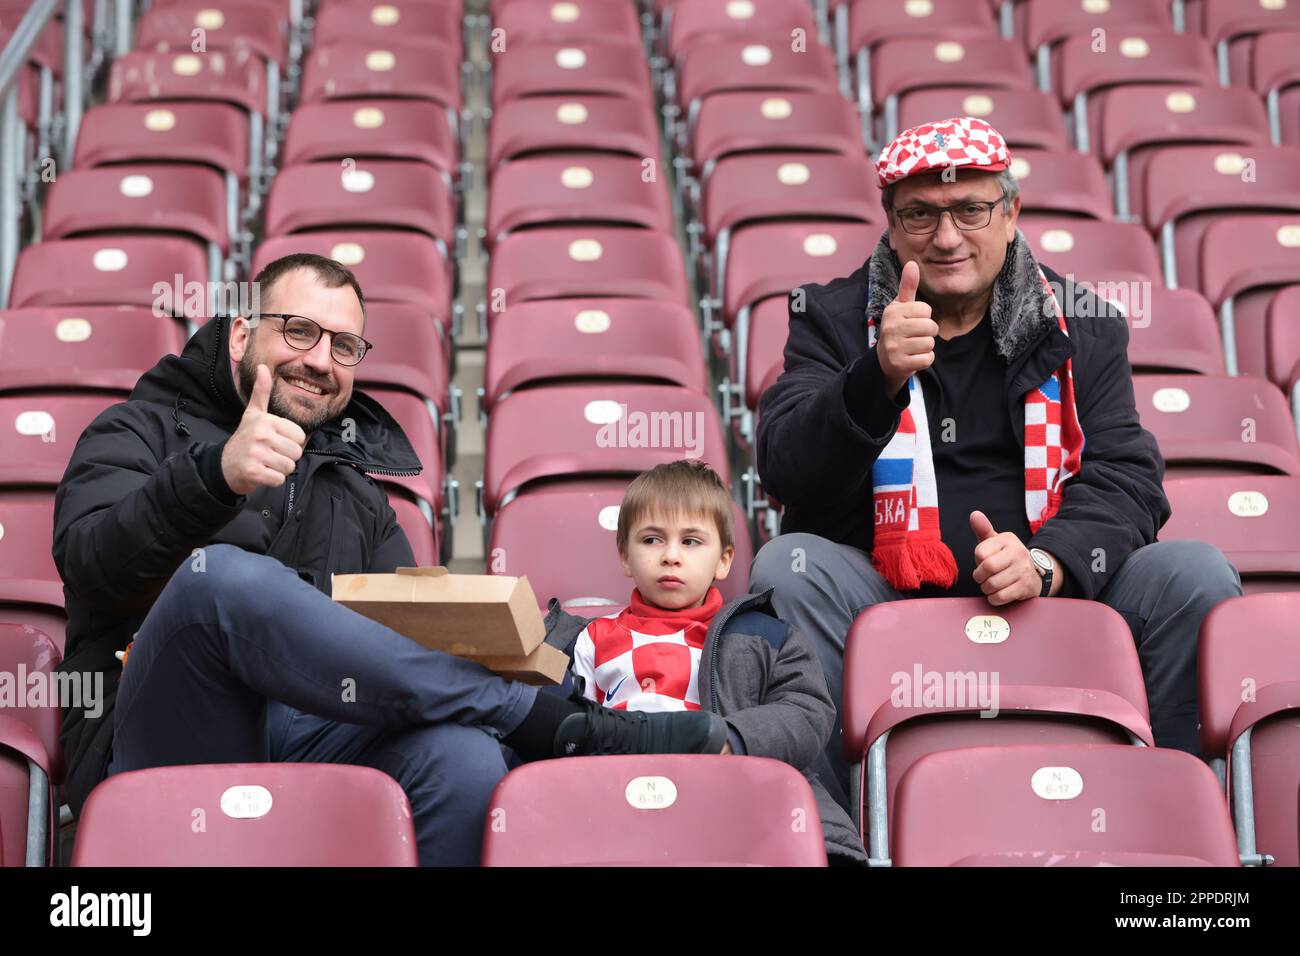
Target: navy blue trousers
<point>240,660</point>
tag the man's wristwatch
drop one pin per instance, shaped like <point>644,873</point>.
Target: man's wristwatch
<point>1043,564</point>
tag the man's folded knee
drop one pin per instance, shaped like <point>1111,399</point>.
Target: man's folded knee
<point>785,560</point>
<point>221,569</point>
<point>1202,568</point>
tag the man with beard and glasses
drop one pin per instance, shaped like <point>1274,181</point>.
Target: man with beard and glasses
<point>196,530</point>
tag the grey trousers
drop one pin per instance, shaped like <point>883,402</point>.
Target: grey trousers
<point>1162,591</point>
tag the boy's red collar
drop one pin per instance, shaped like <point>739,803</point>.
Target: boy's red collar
<point>711,606</point>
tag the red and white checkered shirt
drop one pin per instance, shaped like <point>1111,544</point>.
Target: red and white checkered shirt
<point>645,658</point>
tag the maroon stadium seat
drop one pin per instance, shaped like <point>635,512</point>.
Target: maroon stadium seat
<point>756,121</point>
<point>34,649</point>
<point>1147,117</point>
<point>373,194</point>
<point>1187,187</point>
<point>1056,183</point>
<point>535,343</point>
<point>662,810</point>
<point>744,190</point>
<point>527,22</point>
<point>184,199</point>
<point>411,69</point>
<point>422,536</point>
<point>372,129</point>
<point>568,263</point>
<point>108,348</point>
<point>763,62</point>
<point>422,427</point>
<point>1019,806</point>
<point>1174,332</point>
<point>1090,250</point>
<point>1215,424</point>
<point>1275,73</point>
<point>255,814</point>
<point>40,431</point>
<point>584,516</point>
<point>1243,262</point>
<point>408,352</point>
<point>378,24</point>
<point>571,124</point>
<point>1087,76</point>
<point>582,67</point>
<point>1048,23</point>
<point>902,66</point>
<point>229,76</point>
<point>769,329</point>
<point>390,266</point>
<point>702,23</point>
<point>31,591</point>
<point>1027,119</point>
<point>31,759</point>
<point>116,270</point>
<point>562,190</point>
<point>256,26</point>
<point>600,429</point>
<point>1233,25</point>
<point>1283,344</point>
<point>1052,686</point>
<point>863,25</point>
<point>209,134</point>
<point>1250,518</point>
<point>1250,696</point>
<point>766,262</point>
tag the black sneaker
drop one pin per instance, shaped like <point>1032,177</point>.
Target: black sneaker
<point>601,730</point>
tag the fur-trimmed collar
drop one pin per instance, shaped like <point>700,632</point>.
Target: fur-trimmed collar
<point>1018,309</point>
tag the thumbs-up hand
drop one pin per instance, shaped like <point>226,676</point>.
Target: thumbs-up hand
<point>905,344</point>
<point>1003,568</point>
<point>265,447</point>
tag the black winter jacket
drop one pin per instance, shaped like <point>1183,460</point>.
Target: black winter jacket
<point>761,675</point>
<point>815,458</point>
<point>133,505</point>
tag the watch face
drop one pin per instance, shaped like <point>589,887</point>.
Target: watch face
<point>1041,559</point>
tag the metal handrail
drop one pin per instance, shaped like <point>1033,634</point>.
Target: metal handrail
<point>13,58</point>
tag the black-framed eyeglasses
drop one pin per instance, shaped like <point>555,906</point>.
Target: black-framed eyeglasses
<point>302,334</point>
<point>967,216</point>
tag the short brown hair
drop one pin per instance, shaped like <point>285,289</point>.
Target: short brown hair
<point>677,487</point>
<point>330,272</point>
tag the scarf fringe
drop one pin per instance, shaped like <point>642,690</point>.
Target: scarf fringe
<point>907,562</point>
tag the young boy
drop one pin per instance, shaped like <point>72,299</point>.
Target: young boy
<point>677,646</point>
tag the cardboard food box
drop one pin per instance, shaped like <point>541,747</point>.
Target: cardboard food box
<point>488,618</point>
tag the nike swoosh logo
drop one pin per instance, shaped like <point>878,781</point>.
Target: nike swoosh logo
<point>611,694</point>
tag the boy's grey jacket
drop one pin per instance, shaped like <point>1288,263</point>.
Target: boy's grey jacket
<point>762,676</point>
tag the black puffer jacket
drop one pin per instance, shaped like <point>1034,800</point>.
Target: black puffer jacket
<point>132,506</point>
<point>815,458</point>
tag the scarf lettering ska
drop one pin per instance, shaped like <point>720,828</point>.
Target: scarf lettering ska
<point>908,550</point>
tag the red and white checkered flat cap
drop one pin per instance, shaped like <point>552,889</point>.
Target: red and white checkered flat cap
<point>960,141</point>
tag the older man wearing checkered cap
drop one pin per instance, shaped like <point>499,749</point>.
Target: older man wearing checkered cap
<point>956,419</point>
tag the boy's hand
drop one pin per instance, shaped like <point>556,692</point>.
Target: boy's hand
<point>726,749</point>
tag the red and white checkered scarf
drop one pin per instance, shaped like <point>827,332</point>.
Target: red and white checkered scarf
<point>908,550</point>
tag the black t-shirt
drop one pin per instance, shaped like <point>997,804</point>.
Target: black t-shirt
<point>978,460</point>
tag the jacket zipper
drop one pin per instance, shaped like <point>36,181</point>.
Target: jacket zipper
<point>365,466</point>
<point>721,623</point>
<point>713,658</point>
